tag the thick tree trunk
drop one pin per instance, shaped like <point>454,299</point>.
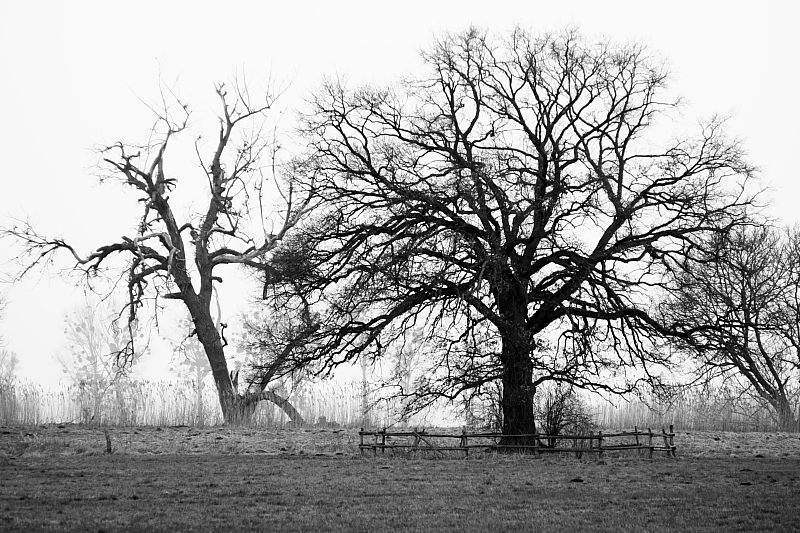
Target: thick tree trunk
<point>515,358</point>
<point>787,421</point>
<point>236,409</point>
<point>518,391</point>
<point>209,337</point>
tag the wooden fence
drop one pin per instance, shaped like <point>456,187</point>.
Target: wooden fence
<point>415,441</point>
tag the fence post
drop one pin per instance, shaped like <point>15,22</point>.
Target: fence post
<point>650,441</point>
<point>600,444</point>
<point>361,441</point>
<point>672,440</point>
<point>636,436</point>
<point>669,440</point>
<point>464,442</point>
<point>383,441</point>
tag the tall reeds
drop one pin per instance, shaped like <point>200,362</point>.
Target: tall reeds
<point>333,404</point>
<point>162,403</point>
<point>699,410</point>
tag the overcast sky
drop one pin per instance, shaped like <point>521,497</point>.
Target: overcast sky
<point>75,74</point>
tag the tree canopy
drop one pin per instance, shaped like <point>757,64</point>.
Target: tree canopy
<point>521,202</point>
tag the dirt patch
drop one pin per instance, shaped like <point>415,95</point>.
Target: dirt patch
<point>73,439</point>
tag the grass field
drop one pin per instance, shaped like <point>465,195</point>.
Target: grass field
<point>236,493</point>
<point>171,469</point>
<point>214,479</point>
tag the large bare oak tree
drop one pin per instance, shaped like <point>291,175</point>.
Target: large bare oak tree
<point>169,257</point>
<point>521,202</point>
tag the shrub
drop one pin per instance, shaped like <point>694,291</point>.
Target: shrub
<point>560,410</point>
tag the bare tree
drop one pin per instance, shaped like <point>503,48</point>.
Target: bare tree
<point>189,361</point>
<point>92,340</point>
<point>741,303</point>
<point>560,411</point>
<point>178,258</point>
<point>8,358</point>
<point>8,364</point>
<point>519,203</point>
<point>407,365</point>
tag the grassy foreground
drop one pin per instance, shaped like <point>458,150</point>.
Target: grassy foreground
<point>268,493</point>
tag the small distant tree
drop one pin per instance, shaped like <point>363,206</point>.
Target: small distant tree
<point>8,359</point>
<point>189,361</point>
<point>8,364</point>
<point>366,392</point>
<point>741,303</point>
<point>407,364</point>
<point>482,406</point>
<point>92,340</point>
<point>406,361</point>
<point>560,410</point>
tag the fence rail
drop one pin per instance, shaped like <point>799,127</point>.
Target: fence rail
<point>415,441</point>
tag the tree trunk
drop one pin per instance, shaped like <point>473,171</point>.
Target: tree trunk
<point>210,338</point>
<point>236,409</point>
<point>283,403</point>
<point>97,400</point>
<point>244,407</point>
<point>786,417</point>
<point>518,391</point>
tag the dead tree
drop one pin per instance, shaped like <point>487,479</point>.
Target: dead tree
<point>170,257</point>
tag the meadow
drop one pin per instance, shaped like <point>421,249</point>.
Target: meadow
<point>272,479</point>
<point>152,463</point>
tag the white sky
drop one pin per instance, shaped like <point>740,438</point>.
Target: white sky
<point>73,75</point>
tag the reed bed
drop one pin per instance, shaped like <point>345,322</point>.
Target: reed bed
<point>697,410</point>
<point>124,404</point>
<point>162,403</point>
<point>334,404</point>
